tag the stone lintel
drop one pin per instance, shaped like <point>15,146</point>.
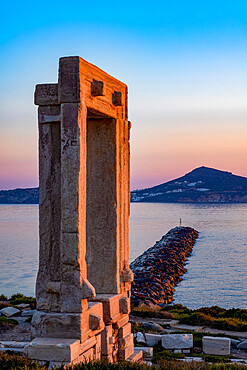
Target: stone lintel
<point>46,94</point>
<point>80,80</point>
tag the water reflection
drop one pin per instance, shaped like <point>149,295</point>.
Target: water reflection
<point>217,268</point>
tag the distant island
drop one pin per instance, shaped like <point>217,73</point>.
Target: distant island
<point>203,184</point>
<point>20,196</point>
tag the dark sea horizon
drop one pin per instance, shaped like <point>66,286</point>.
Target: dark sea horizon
<point>217,268</point>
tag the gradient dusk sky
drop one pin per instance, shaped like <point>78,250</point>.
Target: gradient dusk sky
<point>184,61</point>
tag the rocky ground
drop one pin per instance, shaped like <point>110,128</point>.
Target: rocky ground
<point>159,269</point>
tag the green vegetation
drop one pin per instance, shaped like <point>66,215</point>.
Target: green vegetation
<point>12,361</point>
<point>147,312</point>
<point>214,317</point>
<point>19,298</point>
<point>161,354</point>
<point>234,319</point>
<point>138,327</point>
<point>7,323</point>
<point>3,297</point>
<point>4,304</point>
<point>164,361</point>
<point>16,299</point>
<point>104,365</point>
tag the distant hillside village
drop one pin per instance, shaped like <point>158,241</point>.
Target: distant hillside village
<point>203,184</point>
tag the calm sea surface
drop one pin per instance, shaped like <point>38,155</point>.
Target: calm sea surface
<point>217,268</point>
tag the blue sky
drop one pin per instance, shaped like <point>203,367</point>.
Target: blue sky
<point>185,63</point>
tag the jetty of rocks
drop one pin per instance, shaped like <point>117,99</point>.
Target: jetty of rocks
<point>159,269</point>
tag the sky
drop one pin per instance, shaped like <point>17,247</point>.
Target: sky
<point>184,61</point>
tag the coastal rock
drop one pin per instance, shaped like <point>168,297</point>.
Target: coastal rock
<point>234,343</point>
<point>9,311</point>
<point>23,306</point>
<point>159,269</point>
<point>28,313</point>
<point>242,345</point>
<point>152,326</point>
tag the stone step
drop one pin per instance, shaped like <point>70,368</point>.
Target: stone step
<point>136,356</point>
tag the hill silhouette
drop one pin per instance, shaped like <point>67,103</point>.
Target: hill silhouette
<point>203,184</point>
<point>20,196</point>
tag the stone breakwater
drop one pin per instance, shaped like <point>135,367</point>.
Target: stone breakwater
<point>159,269</point>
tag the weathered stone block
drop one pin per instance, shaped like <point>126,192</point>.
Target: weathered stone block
<point>13,344</point>
<point>140,338</point>
<point>28,313</point>
<point>112,306</point>
<point>216,345</point>
<point>69,80</point>
<point>177,341</point>
<point>23,306</point>
<point>136,355</point>
<point>66,325</point>
<point>121,322</point>
<point>9,311</point>
<point>64,350</point>
<point>98,347</point>
<point>94,322</point>
<point>46,94</point>
<point>150,325</point>
<point>53,349</point>
<point>106,346</point>
<point>124,330</point>
<point>125,342</point>
<point>152,339</point>
<point>127,275</point>
<point>124,305</point>
<point>242,345</point>
<point>147,352</point>
<point>124,353</point>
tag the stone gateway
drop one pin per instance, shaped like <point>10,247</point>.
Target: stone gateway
<point>83,283</point>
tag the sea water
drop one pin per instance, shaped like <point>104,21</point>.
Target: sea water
<point>217,268</point>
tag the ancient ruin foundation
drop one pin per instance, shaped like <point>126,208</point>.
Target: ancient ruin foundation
<point>83,283</point>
